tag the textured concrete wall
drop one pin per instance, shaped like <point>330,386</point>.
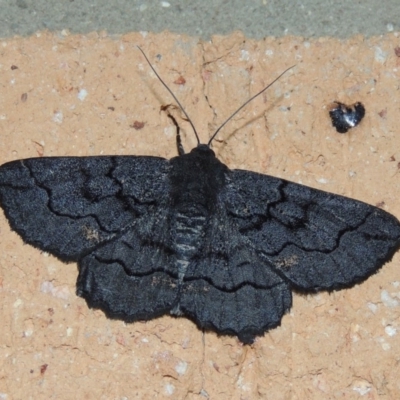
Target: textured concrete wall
<point>90,95</point>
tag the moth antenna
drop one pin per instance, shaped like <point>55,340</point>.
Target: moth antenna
<point>172,94</point>
<point>247,102</point>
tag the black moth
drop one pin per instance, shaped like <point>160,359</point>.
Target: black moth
<point>346,117</point>
<point>188,236</point>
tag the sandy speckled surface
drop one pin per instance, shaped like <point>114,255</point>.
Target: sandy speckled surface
<point>84,95</point>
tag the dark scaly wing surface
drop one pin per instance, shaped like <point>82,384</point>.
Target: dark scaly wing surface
<point>69,206</point>
<point>314,239</point>
<point>135,277</point>
<point>229,287</point>
<point>107,213</point>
